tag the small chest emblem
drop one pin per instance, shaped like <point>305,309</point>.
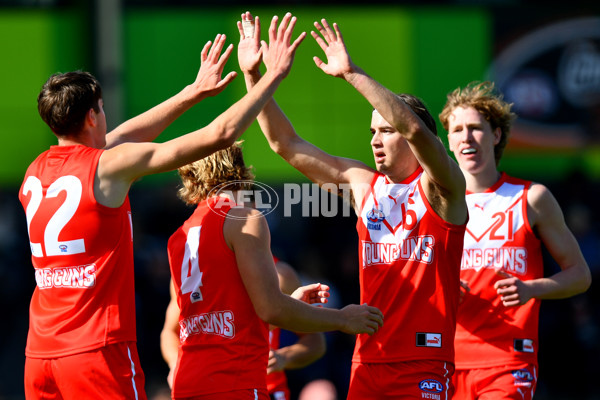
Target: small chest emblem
<point>374,218</point>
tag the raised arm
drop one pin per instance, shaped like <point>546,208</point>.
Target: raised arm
<point>440,169</point>
<point>548,221</point>
<point>121,165</point>
<point>313,162</point>
<point>247,234</point>
<point>148,125</point>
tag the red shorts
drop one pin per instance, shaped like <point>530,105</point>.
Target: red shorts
<point>506,382</point>
<point>245,394</point>
<point>111,372</point>
<point>403,380</point>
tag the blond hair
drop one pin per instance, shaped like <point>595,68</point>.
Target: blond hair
<point>483,98</point>
<point>224,166</point>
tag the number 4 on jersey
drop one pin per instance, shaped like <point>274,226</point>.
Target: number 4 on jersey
<point>191,276</point>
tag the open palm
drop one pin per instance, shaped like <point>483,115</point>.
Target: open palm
<point>332,43</point>
<point>249,49</point>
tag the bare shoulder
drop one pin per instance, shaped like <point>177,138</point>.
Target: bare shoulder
<point>243,223</point>
<point>244,213</point>
<point>542,205</point>
<point>539,197</point>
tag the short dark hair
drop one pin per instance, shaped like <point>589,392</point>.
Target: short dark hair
<point>420,109</point>
<point>65,99</point>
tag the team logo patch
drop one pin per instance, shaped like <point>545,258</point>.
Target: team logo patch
<point>429,339</point>
<point>374,218</point>
<point>522,377</point>
<point>196,296</point>
<point>524,345</point>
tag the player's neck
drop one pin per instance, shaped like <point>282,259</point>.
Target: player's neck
<point>482,181</point>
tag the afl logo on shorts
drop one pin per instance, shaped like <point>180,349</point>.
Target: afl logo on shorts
<point>523,377</point>
<point>431,386</point>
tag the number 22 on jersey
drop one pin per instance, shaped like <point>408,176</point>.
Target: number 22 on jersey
<point>52,246</point>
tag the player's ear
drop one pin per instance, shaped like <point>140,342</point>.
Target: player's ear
<point>90,118</point>
<point>497,135</point>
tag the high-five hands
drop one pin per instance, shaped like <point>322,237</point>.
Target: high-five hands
<point>208,81</point>
<point>332,43</point>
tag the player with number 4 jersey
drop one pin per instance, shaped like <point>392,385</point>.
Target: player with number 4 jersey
<point>227,288</point>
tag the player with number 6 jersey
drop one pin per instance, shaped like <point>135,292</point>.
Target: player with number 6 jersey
<point>409,241</point>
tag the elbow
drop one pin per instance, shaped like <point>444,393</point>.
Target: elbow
<point>586,281</point>
<point>279,147</point>
<point>270,315</point>
<point>286,148</point>
<point>225,135</point>
<point>320,347</point>
<point>276,147</point>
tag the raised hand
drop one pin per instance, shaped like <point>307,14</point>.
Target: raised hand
<point>313,293</point>
<point>208,81</point>
<point>278,54</point>
<point>362,319</point>
<point>332,43</point>
<point>249,49</point>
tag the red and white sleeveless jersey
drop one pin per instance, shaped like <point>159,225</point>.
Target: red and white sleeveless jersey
<point>498,237</point>
<point>276,380</point>
<point>224,344</point>
<point>82,253</point>
<point>409,268</point>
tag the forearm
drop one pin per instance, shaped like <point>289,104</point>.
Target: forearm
<point>566,283</point>
<point>297,316</point>
<point>386,102</point>
<point>149,125</point>
<point>308,349</point>
<point>239,117</point>
<point>273,122</point>
<point>169,347</point>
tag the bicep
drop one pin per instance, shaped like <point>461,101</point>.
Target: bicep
<point>440,168</point>
<point>129,161</point>
<point>323,168</point>
<point>250,240</point>
<point>549,224</point>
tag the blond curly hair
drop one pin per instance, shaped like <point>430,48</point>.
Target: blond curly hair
<point>483,98</point>
<point>224,166</point>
